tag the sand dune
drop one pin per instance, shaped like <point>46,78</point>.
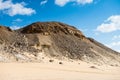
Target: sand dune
<point>55,71</point>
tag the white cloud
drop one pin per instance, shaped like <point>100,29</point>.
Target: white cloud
<point>15,27</point>
<point>18,20</point>
<point>61,2</point>
<point>43,2</point>
<point>64,2</point>
<point>110,25</point>
<point>5,4</point>
<point>116,37</point>
<point>114,45</point>
<point>15,9</point>
<point>84,1</point>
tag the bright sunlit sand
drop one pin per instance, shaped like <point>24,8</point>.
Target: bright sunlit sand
<point>55,71</point>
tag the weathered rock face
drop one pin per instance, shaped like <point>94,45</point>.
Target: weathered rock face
<point>5,28</point>
<point>52,27</point>
<point>5,34</point>
<point>55,39</point>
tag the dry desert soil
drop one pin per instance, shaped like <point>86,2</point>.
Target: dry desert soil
<point>55,71</point>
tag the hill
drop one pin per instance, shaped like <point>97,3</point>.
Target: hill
<point>52,39</point>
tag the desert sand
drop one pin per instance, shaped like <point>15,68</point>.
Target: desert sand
<point>55,71</point>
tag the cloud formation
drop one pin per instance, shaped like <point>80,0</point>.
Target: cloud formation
<point>110,25</point>
<point>15,27</point>
<point>8,7</point>
<point>64,2</point>
<point>116,37</point>
<point>43,2</point>
<point>18,20</point>
<point>115,45</point>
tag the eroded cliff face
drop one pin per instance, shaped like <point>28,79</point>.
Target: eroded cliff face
<point>47,28</point>
<point>53,39</point>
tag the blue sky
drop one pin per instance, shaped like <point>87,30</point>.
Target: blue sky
<point>99,19</point>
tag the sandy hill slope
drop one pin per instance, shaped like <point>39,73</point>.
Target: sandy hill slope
<point>52,39</point>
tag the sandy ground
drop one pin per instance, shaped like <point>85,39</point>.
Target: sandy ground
<point>55,71</point>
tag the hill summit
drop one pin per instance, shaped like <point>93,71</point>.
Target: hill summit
<point>52,39</point>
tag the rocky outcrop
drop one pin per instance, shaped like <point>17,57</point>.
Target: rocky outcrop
<point>53,39</point>
<point>47,28</point>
